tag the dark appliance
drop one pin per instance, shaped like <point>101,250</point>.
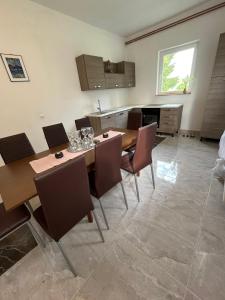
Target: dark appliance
<point>151,115</point>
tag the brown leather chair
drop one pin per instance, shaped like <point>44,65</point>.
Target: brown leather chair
<point>65,200</point>
<point>134,121</point>
<point>55,135</point>
<point>107,170</point>
<point>135,161</point>
<point>83,122</point>
<point>12,220</point>
<point>15,147</point>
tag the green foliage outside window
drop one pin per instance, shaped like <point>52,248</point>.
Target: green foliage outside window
<point>170,83</point>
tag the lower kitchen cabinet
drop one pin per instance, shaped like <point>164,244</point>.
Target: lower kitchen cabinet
<point>117,120</point>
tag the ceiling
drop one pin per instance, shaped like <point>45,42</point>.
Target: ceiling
<point>123,17</point>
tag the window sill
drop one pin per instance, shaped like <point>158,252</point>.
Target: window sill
<point>173,94</point>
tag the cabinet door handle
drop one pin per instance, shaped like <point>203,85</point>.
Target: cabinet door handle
<point>116,85</point>
<point>121,113</point>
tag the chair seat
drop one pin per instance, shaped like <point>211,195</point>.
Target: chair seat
<point>126,162</point>
<point>13,219</point>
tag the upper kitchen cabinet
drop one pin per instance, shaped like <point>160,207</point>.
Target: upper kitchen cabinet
<point>128,69</point>
<point>114,80</point>
<point>91,72</point>
<point>96,74</point>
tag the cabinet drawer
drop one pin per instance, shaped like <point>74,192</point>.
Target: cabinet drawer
<point>168,123</point>
<point>168,117</point>
<point>96,84</point>
<point>108,121</point>
<point>121,119</point>
<point>168,112</point>
<point>166,129</point>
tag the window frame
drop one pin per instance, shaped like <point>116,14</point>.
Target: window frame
<point>175,49</point>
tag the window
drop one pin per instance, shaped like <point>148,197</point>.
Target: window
<point>175,69</point>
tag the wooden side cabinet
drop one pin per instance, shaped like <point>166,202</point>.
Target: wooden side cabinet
<point>213,124</point>
<point>170,120</point>
<point>91,72</point>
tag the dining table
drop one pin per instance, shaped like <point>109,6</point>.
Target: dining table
<point>17,178</point>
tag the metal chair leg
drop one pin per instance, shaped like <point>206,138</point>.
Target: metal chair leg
<point>124,194</point>
<point>66,258</point>
<point>36,235</point>
<point>153,177</point>
<point>99,229</point>
<point>30,208</point>
<point>136,183</point>
<point>103,212</point>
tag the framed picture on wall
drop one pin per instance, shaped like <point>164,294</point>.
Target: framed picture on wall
<point>15,67</point>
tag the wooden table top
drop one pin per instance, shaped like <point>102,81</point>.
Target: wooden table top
<point>16,179</point>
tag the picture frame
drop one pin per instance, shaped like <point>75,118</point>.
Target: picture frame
<point>15,67</point>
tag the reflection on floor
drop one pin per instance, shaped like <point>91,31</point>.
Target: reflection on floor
<point>14,247</point>
<point>171,245</point>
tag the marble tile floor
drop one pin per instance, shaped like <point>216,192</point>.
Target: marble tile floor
<point>169,246</point>
<point>15,246</point>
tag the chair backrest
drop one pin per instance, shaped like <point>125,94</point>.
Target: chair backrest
<point>65,196</point>
<point>83,122</point>
<point>134,119</point>
<point>15,147</point>
<point>143,150</point>
<point>107,164</point>
<point>55,135</point>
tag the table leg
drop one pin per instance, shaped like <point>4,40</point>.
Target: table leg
<point>90,217</point>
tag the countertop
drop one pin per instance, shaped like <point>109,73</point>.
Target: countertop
<point>124,108</point>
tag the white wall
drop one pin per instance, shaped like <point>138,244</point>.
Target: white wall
<point>206,29</point>
<point>49,42</point>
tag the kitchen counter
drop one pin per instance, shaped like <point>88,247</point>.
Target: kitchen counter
<point>124,108</point>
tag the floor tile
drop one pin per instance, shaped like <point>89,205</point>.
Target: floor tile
<point>126,273</point>
<point>212,238</point>
<point>207,277</point>
<point>167,250</point>
<point>170,245</point>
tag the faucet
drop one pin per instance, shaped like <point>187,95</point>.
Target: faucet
<point>99,106</point>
